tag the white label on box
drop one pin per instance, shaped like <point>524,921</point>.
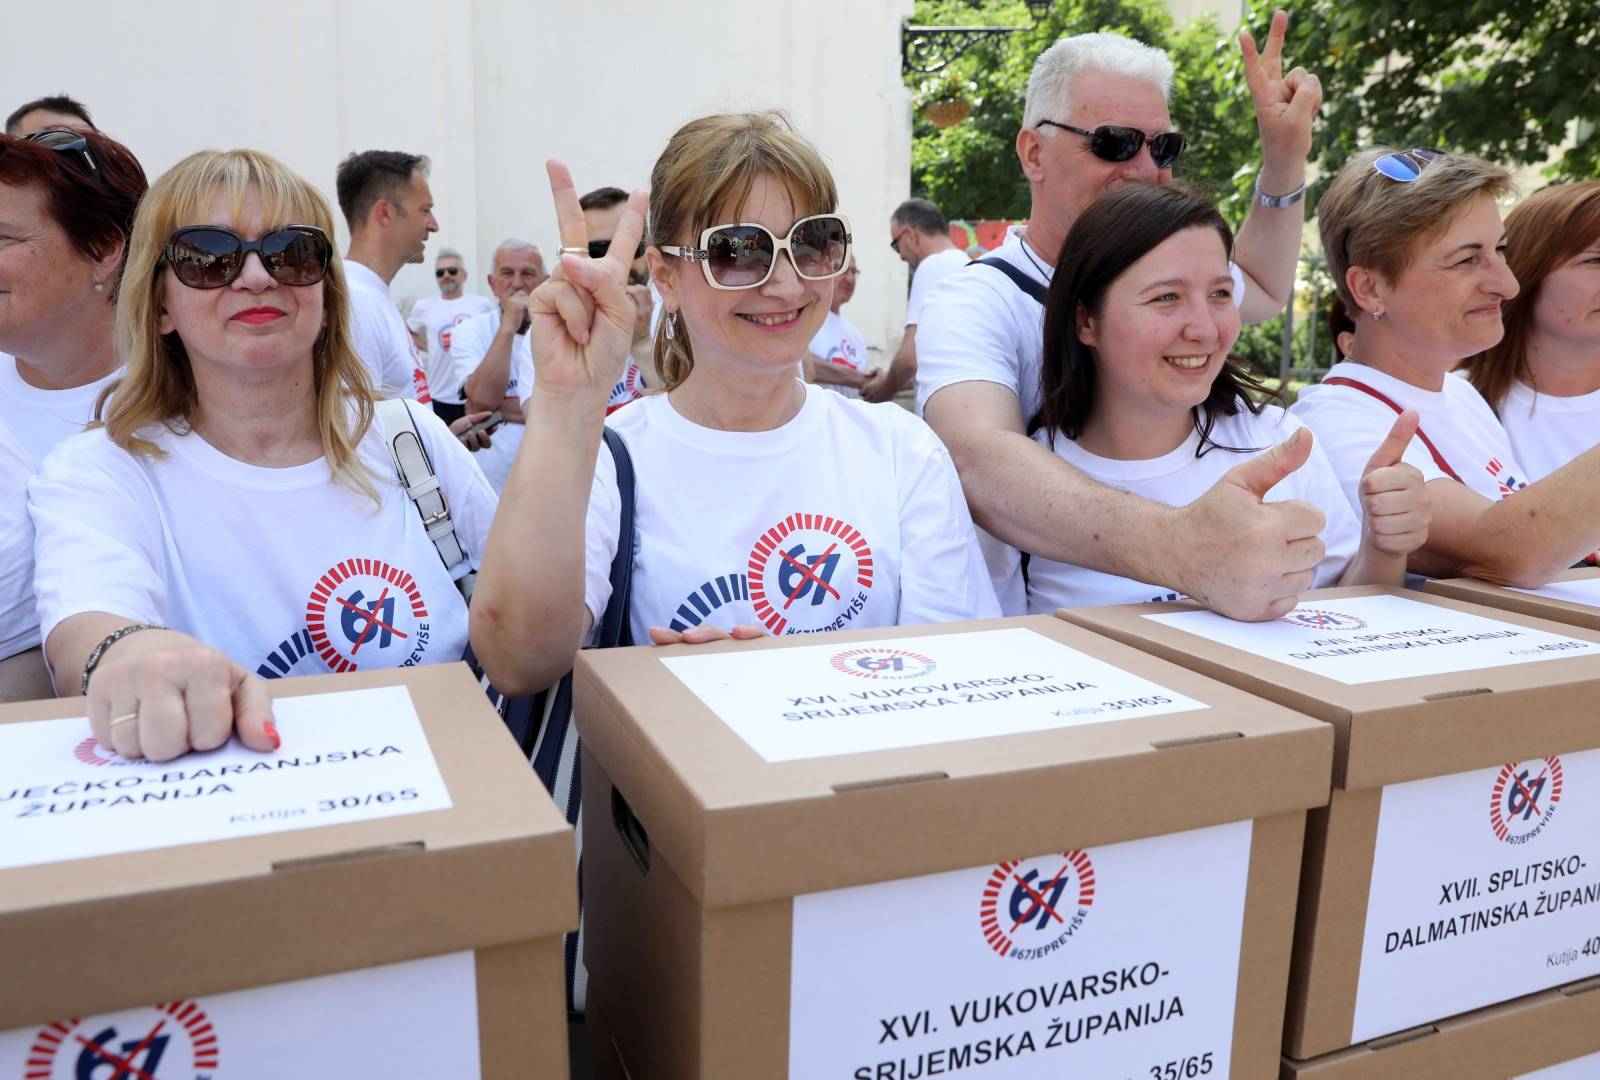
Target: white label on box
<point>852,698</point>
<point>1485,886</point>
<point>1582,591</point>
<point>1365,639</point>
<point>1583,1068</point>
<point>1118,961</point>
<point>348,756</point>
<point>418,1018</point>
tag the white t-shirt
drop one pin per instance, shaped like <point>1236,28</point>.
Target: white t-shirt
<point>285,571</point>
<point>433,317</point>
<point>381,338</point>
<point>19,625</point>
<point>39,419</point>
<point>1177,479</point>
<point>469,344</point>
<point>1350,423</point>
<point>930,271</point>
<point>978,326</point>
<point>849,515</point>
<point>1547,432</point>
<point>839,342</point>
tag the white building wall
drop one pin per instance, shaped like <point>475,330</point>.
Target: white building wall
<point>489,89</point>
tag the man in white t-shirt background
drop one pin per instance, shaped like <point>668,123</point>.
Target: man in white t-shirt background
<point>1096,118</point>
<point>491,364</point>
<point>389,207</point>
<point>837,358</point>
<point>431,320</point>
<point>920,235</point>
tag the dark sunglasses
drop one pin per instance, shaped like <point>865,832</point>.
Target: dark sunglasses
<point>1117,142</point>
<point>447,271</point>
<point>210,256</point>
<point>742,256</point>
<point>72,145</point>
<point>599,248</point>
<point>1406,165</point>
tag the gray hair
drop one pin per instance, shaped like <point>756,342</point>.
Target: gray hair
<point>513,244</point>
<point>922,215</point>
<point>1050,84</point>
<point>450,253</point>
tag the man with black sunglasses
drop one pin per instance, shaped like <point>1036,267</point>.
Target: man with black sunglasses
<point>389,207</point>
<point>432,320</point>
<point>1096,118</point>
<point>602,209</point>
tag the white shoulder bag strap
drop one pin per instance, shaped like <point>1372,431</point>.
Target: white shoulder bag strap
<point>418,478</point>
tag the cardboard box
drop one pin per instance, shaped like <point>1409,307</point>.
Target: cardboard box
<point>1553,1035</point>
<point>127,885</point>
<point>981,847</point>
<point>1572,598</point>
<point>1458,857</point>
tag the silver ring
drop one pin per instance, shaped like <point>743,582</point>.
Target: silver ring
<point>572,251</point>
<point>124,718</point>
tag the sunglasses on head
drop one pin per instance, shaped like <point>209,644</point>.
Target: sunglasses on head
<point>210,256</point>
<point>447,271</point>
<point>72,145</point>
<point>1406,165</point>
<point>742,256</point>
<point>1118,142</point>
<point>599,248</point>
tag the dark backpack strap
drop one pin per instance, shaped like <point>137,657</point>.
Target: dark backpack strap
<point>1438,458</point>
<point>614,628</point>
<point>1018,278</point>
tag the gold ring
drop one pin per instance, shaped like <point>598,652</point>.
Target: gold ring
<point>124,718</point>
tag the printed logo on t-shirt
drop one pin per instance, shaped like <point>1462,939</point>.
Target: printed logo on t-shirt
<point>444,331</point>
<point>626,390</point>
<point>175,1041</point>
<point>1029,908</point>
<point>419,378</point>
<point>1524,799</point>
<point>1502,478</point>
<point>361,613</point>
<point>809,573</point>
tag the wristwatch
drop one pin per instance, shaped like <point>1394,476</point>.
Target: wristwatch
<point>1278,202</point>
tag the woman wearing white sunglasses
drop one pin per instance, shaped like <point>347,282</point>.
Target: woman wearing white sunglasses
<point>1417,251</point>
<point>763,505</point>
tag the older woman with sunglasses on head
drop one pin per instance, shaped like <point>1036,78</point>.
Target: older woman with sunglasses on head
<point>1543,378</point>
<point>1417,250</point>
<point>67,200</point>
<point>239,515</point>
<point>764,505</point>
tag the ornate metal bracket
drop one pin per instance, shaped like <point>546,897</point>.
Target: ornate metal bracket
<point>926,49</point>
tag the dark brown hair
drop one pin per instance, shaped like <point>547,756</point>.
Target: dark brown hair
<point>95,214</point>
<point>1116,231</point>
<point>1549,228</point>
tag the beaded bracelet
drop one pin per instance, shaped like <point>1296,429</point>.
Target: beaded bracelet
<point>106,643</point>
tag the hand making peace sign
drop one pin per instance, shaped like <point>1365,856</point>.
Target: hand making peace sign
<point>583,316</point>
<point>1285,105</point>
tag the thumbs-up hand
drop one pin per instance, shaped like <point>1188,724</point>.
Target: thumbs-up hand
<point>1395,511</point>
<point>1244,557</point>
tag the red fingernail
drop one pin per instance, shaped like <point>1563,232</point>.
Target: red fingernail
<point>272,733</point>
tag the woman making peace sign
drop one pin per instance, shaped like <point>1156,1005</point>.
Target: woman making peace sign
<point>763,505</point>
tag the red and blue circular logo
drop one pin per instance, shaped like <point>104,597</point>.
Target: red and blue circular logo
<point>881,663</point>
<point>175,1041</point>
<point>89,752</point>
<point>1524,799</point>
<point>1032,907</point>
<point>809,572</point>
<point>1322,619</point>
<point>364,611</point>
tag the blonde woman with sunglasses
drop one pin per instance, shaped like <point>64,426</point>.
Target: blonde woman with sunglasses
<point>764,505</point>
<point>1417,251</point>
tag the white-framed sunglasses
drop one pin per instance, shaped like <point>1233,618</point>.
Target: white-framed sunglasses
<point>741,256</point>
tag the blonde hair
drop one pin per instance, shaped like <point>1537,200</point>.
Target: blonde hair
<point>1367,219</point>
<point>705,174</point>
<point>158,387</point>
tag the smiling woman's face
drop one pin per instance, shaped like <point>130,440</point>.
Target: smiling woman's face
<point>254,328</point>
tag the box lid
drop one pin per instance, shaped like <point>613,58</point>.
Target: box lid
<point>101,932</point>
<point>1572,598</point>
<point>1396,726</point>
<point>739,825</point>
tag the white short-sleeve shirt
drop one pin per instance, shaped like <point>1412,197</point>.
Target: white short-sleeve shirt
<point>1178,478</point>
<point>381,338</point>
<point>39,419</point>
<point>433,317</point>
<point>929,272</point>
<point>283,570</point>
<point>1546,432</point>
<point>19,624</point>
<point>839,342</point>
<point>849,515</point>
